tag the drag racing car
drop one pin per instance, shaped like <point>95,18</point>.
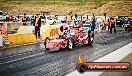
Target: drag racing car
<point>70,38</point>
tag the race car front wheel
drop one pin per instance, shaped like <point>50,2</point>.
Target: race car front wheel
<point>70,44</point>
<point>46,42</point>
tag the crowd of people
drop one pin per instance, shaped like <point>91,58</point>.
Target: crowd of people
<point>110,22</point>
<point>36,21</point>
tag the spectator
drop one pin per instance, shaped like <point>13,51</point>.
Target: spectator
<point>37,26</point>
<point>63,20</point>
<point>83,20</point>
<point>112,24</point>
<point>108,24</point>
<point>44,19</point>
<point>105,21</point>
<point>69,18</point>
<point>18,16</point>
<point>56,18</point>
<point>39,21</point>
<point>93,23</point>
<point>87,18</point>
<point>24,20</point>
<point>32,20</point>
<point>11,17</point>
<point>7,18</point>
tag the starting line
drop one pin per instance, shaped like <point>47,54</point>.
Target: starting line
<point>115,56</point>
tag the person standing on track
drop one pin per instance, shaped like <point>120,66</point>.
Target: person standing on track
<point>108,24</point>
<point>32,20</point>
<point>37,26</point>
<point>7,17</point>
<point>105,23</point>
<point>93,23</point>
<point>112,25</point>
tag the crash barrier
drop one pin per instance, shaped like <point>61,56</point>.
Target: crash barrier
<point>43,28</point>
<point>51,31</point>
<point>123,54</point>
<point>1,43</point>
<point>30,29</point>
<point>3,40</point>
<point>21,38</point>
<point>11,26</point>
<point>25,29</point>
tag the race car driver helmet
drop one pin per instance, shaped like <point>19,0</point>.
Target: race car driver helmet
<point>64,28</point>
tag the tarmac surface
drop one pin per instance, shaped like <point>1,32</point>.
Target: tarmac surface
<point>33,60</point>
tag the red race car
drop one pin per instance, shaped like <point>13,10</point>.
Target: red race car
<point>75,36</point>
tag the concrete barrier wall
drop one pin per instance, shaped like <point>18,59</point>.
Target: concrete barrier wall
<point>21,38</point>
<point>12,26</point>
<point>15,25</point>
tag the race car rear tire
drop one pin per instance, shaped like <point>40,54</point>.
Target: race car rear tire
<point>45,42</point>
<point>126,29</point>
<point>70,44</point>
